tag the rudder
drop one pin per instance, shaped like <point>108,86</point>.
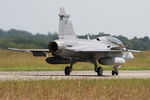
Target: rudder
<point>65,26</point>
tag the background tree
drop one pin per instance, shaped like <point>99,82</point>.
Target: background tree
<point>22,39</point>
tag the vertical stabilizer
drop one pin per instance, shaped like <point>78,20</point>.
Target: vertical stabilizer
<point>65,26</point>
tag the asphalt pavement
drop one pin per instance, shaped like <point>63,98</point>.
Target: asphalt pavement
<point>58,75</point>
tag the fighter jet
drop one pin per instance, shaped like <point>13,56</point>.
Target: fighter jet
<point>68,49</point>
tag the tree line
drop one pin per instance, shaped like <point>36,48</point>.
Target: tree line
<point>22,39</point>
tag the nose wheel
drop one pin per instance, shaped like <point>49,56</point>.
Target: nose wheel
<point>115,72</point>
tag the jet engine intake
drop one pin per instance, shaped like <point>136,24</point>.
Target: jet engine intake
<point>55,46</point>
<point>111,61</point>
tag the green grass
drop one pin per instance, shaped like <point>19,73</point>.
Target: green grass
<point>91,89</point>
<point>21,61</point>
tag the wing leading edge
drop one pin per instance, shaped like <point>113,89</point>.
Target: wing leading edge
<point>94,49</point>
<point>35,52</point>
<point>29,50</point>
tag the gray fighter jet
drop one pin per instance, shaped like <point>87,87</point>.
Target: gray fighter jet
<point>68,49</point>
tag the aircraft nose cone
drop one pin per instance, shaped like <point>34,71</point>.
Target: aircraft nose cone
<point>130,56</point>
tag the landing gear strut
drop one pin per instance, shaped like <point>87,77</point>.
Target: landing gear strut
<point>68,69</point>
<point>97,69</point>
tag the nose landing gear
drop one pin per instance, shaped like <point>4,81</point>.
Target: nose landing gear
<point>115,70</point>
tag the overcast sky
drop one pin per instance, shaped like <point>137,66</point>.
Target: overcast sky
<point>117,17</point>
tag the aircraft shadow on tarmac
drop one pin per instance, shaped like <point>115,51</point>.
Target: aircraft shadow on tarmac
<point>72,75</point>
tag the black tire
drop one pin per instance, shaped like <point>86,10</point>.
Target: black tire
<point>67,70</point>
<point>113,72</point>
<point>99,71</point>
<point>117,72</point>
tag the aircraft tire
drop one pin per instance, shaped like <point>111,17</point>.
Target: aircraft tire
<point>99,71</point>
<point>67,70</point>
<point>115,72</point>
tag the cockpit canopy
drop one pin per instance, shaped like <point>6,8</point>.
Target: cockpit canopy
<point>110,39</point>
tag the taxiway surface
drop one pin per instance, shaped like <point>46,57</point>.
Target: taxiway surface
<point>57,75</point>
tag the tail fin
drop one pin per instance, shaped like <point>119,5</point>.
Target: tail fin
<point>65,26</point>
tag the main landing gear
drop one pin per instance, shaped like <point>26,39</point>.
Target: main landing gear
<point>97,69</point>
<point>68,69</point>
